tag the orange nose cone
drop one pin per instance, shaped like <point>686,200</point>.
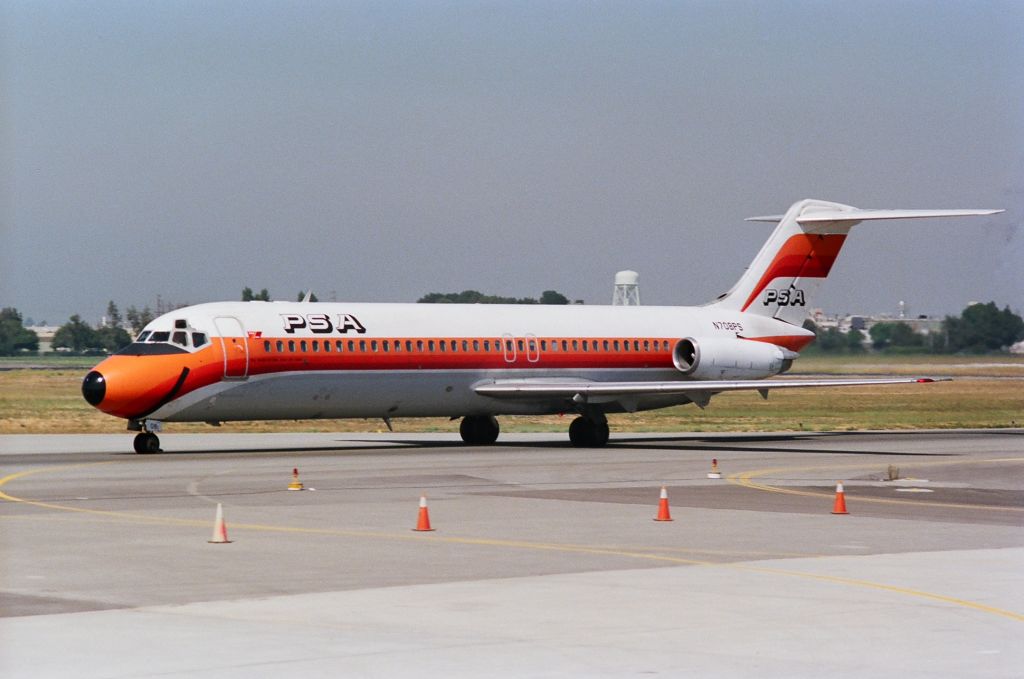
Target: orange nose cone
<point>131,386</point>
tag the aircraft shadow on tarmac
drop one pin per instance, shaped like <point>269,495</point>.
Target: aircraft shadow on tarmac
<point>742,442</point>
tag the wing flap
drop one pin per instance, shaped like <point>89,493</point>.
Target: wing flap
<point>532,389</point>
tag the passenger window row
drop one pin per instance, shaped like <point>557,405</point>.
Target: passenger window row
<point>465,346</point>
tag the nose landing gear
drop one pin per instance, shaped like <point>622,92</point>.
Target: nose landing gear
<point>147,442</point>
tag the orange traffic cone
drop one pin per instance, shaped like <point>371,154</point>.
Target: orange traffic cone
<point>423,523</point>
<point>296,484</point>
<point>663,513</point>
<point>714,473</point>
<point>840,505</point>
<point>220,531</point>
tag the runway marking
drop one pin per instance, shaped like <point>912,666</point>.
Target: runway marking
<point>745,479</point>
<point>509,544</point>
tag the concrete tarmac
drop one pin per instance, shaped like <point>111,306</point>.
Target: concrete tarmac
<point>545,560</point>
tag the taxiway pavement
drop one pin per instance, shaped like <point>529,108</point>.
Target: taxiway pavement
<point>545,560</point>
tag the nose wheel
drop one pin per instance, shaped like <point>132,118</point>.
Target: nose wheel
<point>147,442</point>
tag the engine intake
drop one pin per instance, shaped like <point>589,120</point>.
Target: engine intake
<point>719,358</point>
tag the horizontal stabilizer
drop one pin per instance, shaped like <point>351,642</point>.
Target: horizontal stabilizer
<point>863,215</point>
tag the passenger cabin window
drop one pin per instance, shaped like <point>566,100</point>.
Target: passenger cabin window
<point>280,346</point>
<point>266,346</point>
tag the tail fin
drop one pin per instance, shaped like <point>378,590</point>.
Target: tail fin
<point>799,254</point>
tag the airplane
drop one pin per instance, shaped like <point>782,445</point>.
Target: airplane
<point>228,361</point>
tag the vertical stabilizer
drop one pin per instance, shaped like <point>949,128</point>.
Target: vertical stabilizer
<point>787,272</point>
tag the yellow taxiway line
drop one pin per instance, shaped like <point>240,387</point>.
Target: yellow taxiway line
<point>507,544</point>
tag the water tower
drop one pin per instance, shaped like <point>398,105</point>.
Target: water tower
<point>627,289</point>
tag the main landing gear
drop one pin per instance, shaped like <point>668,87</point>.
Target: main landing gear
<point>586,431</point>
<point>480,430</point>
<point>147,442</point>
<point>589,431</point>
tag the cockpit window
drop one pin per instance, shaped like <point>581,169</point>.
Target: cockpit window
<point>143,336</point>
<point>198,339</point>
<point>180,338</point>
<point>160,337</point>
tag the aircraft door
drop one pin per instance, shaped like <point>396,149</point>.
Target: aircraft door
<point>508,345</point>
<point>532,348</point>
<point>235,346</point>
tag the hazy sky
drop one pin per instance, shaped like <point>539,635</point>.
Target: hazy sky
<point>379,151</point>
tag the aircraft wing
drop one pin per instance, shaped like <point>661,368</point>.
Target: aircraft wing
<point>584,390</point>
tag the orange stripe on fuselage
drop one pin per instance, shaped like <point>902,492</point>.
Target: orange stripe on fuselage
<point>804,255</point>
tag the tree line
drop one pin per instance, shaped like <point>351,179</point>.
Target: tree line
<point>979,329</point>
<point>475,297</point>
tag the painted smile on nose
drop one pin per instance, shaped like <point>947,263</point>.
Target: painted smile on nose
<point>94,388</point>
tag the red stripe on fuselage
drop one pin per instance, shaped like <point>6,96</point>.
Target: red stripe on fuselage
<point>802,256</point>
<point>371,354</point>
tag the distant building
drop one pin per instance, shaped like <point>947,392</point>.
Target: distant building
<point>845,323</point>
<point>45,334</point>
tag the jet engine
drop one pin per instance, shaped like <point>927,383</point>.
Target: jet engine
<point>719,358</point>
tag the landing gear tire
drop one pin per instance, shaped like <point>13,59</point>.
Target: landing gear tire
<point>587,433</point>
<point>147,442</point>
<point>480,430</point>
